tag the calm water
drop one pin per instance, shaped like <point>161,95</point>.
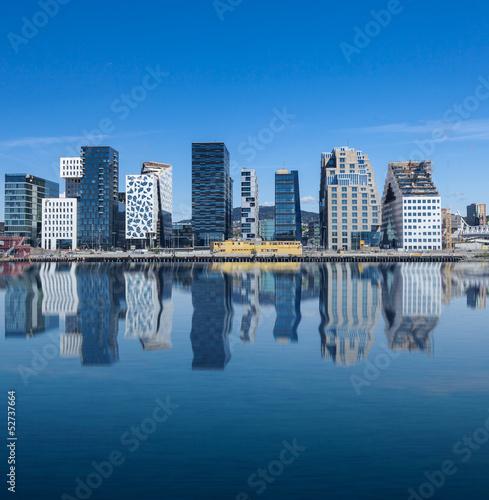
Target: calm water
<point>248,381</point>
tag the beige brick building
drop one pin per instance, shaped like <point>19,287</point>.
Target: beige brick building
<point>349,208</point>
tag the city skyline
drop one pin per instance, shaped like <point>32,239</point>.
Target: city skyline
<point>273,93</point>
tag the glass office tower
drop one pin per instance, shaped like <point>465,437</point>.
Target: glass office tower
<point>288,225</point>
<point>212,193</point>
<point>23,205</point>
<point>98,204</point>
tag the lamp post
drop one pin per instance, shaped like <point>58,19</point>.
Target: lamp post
<point>99,231</point>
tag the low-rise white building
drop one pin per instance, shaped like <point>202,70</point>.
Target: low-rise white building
<point>411,208</point>
<point>59,223</point>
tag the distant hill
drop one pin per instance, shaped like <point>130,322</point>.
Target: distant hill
<point>269,213</point>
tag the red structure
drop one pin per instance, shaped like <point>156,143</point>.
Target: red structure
<point>13,246</point>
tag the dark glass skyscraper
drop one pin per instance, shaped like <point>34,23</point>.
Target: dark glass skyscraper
<point>98,202</point>
<point>288,225</point>
<point>23,205</point>
<point>212,189</point>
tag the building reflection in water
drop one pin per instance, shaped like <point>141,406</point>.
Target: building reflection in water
<point>349,305</point>
<point>59,284</point>
<point>149,315</point>
<point>288,289</point>
<point>212,318</point>
<point>467,279</point>
<point>24,302</point>
<point>411,295</point>
<point>101,291</point>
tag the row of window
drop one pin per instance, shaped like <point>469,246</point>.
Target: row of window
<point>345,227</point>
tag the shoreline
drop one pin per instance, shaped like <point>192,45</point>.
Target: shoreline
<point>125,258</point>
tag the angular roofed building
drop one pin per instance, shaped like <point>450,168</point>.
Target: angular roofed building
<point>411,208</point>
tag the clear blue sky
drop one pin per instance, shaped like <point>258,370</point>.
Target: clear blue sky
<point>230,69</point>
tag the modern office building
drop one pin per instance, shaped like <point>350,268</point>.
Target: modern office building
<point>288,226</point>
<point>212,193</point>
<point>149,205</point>
<point>314,234</point>
<point>71,169</point>
<point>181,234</point>
<point>249,205</point>
<point>349,210</point>
<point>267,230</point>
<point>411,208</point>
<point>23,205</point>
<point>59,223</point>
<point>98,204</point>
<point>476,214</point>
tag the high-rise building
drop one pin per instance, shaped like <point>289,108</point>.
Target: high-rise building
<point>71,169</point>
<point>149,204</point>
<point>59,223</point>
<point>476,214</point>
<point>288,225</point>
<point>212,193</point>
<point>249,205</point>
<point>99,197</point>
<point>23,205</point>
<point>314,233</point>
<point>349,210</point>
<point>411,208</point>
<point>267,230</point>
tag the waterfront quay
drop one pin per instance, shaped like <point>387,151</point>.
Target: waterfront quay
<point>206,257</point>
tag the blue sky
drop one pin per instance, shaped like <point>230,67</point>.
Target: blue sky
<point>416,85</point>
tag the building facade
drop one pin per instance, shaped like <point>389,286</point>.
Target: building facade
<point>267,230</point>
<point>476,214</point>
<point>98,206</point>
<point>411,208</point>
<point>181,234</point>
<point>23,205</point>
<point>71,169</point>
<point>149,204</point>
<point>212,193</point>
<point>288,226</point>
<point>314,234</point>
<point>349,209</point>
<point>59,223</point>
<point>249,205</point>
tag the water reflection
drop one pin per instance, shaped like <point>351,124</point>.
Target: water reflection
<point>93,302</point>
<point>411,296</point>
<point>211,320</point>
<point>149,315</point>
<point>24,315</point>
<point>349,305</point>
